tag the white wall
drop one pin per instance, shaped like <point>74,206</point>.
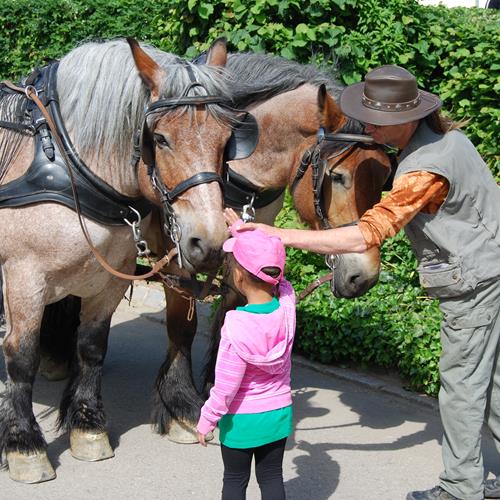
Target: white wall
<point>456,3</point>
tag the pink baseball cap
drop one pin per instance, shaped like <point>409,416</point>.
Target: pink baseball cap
<point>255,250</point>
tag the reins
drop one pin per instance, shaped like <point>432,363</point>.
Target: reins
<point>32,94</point>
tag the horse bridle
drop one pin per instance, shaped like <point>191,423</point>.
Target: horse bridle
<point>145,149</point>
<point>313,158</point>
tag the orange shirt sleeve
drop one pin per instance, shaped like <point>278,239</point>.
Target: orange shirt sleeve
<point>411,193</point>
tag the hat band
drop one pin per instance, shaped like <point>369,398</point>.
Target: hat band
<point>387,106</point>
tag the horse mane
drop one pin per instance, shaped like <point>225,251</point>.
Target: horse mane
<point>13,110</point>
<point>262,76</point>
<point>102,97</point>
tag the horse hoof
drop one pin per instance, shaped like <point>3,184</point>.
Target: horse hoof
<point>183,433</point>
<point>30,467</point>
<point>53,370</point>
<point>90,446</point>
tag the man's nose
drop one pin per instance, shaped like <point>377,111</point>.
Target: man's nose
<point>369,128</point>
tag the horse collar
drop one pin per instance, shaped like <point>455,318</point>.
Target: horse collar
<point>47,178</point>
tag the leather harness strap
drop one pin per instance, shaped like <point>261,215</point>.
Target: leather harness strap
<point>315,284</point>
<point>32,94</point>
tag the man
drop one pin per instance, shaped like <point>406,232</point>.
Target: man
<point>449,204</point>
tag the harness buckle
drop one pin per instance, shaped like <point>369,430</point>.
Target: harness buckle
<point>248,212</point>
<point>140,244</point>
<point>29,90</point>
<point>173,229</point>
<point>331,262</point>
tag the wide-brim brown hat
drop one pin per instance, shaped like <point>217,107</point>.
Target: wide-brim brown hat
<point>388,96</point>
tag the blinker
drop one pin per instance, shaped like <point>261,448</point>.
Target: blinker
<point>320,135</point>
<point>243,139</point>
<point>147,146</point>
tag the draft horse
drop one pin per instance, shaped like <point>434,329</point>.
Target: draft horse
<point>291,103</point>
<point>97,95</point>
<point>335,173</point>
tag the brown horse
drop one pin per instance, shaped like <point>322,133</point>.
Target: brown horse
<point>102,90</point>
<point>292,103</point>
<point>353,173</point>
<point>347,182</point>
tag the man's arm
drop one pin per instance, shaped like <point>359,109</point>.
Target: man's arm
<point>330,241</point>
<point>412,193</point>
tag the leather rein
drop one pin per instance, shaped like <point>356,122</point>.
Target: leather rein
<point>32,94</point>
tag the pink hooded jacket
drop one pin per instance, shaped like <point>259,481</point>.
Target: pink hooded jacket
<point>252,373</point>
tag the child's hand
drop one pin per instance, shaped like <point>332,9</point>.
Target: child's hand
<point>201,439</point>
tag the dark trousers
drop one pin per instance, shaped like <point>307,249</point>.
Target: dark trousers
<point>268,470</point>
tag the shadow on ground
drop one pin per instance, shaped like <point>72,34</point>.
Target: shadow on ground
<point>137,349</point>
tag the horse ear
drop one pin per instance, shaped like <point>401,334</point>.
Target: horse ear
<point>217,53</point>
<point>331,118</point>
<point>150,72</point>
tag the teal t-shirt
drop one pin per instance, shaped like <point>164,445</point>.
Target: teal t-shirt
<point>248,430</point>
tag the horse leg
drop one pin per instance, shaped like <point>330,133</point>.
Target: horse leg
<point>81,410</point>
<point>177,403</point>
<point>58,337</point>
<point>20,435</point>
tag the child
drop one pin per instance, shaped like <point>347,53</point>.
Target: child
<point>251,399</point>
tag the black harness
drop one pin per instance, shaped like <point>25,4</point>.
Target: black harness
<point>241,144</point>
<point>47,178</point>
<point>314,159</point>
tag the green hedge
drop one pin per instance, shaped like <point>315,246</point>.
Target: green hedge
<point>453,52</point>
<point>35,32</point>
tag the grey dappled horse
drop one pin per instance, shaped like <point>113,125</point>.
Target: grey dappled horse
<point>102,90</point>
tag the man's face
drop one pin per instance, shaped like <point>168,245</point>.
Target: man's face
<point>392,135</point>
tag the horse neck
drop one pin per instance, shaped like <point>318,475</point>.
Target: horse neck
<point>288,125</point>
<point>120,175</point>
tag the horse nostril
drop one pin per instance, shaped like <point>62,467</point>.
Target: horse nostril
<point>354,278</point>
<point>201,253</point>
<point>196,246</point>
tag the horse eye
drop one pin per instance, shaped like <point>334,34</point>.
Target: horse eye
<point>337,178</point>
<point>161,141</point>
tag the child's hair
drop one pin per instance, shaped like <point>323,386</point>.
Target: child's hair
<point>272,271</point>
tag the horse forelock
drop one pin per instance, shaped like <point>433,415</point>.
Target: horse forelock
<point>103,98</point>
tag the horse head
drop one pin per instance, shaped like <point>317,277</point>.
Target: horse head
<point>187,125</point>
<point>346,181</point>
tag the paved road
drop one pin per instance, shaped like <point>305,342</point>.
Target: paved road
<point>351,442</point>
